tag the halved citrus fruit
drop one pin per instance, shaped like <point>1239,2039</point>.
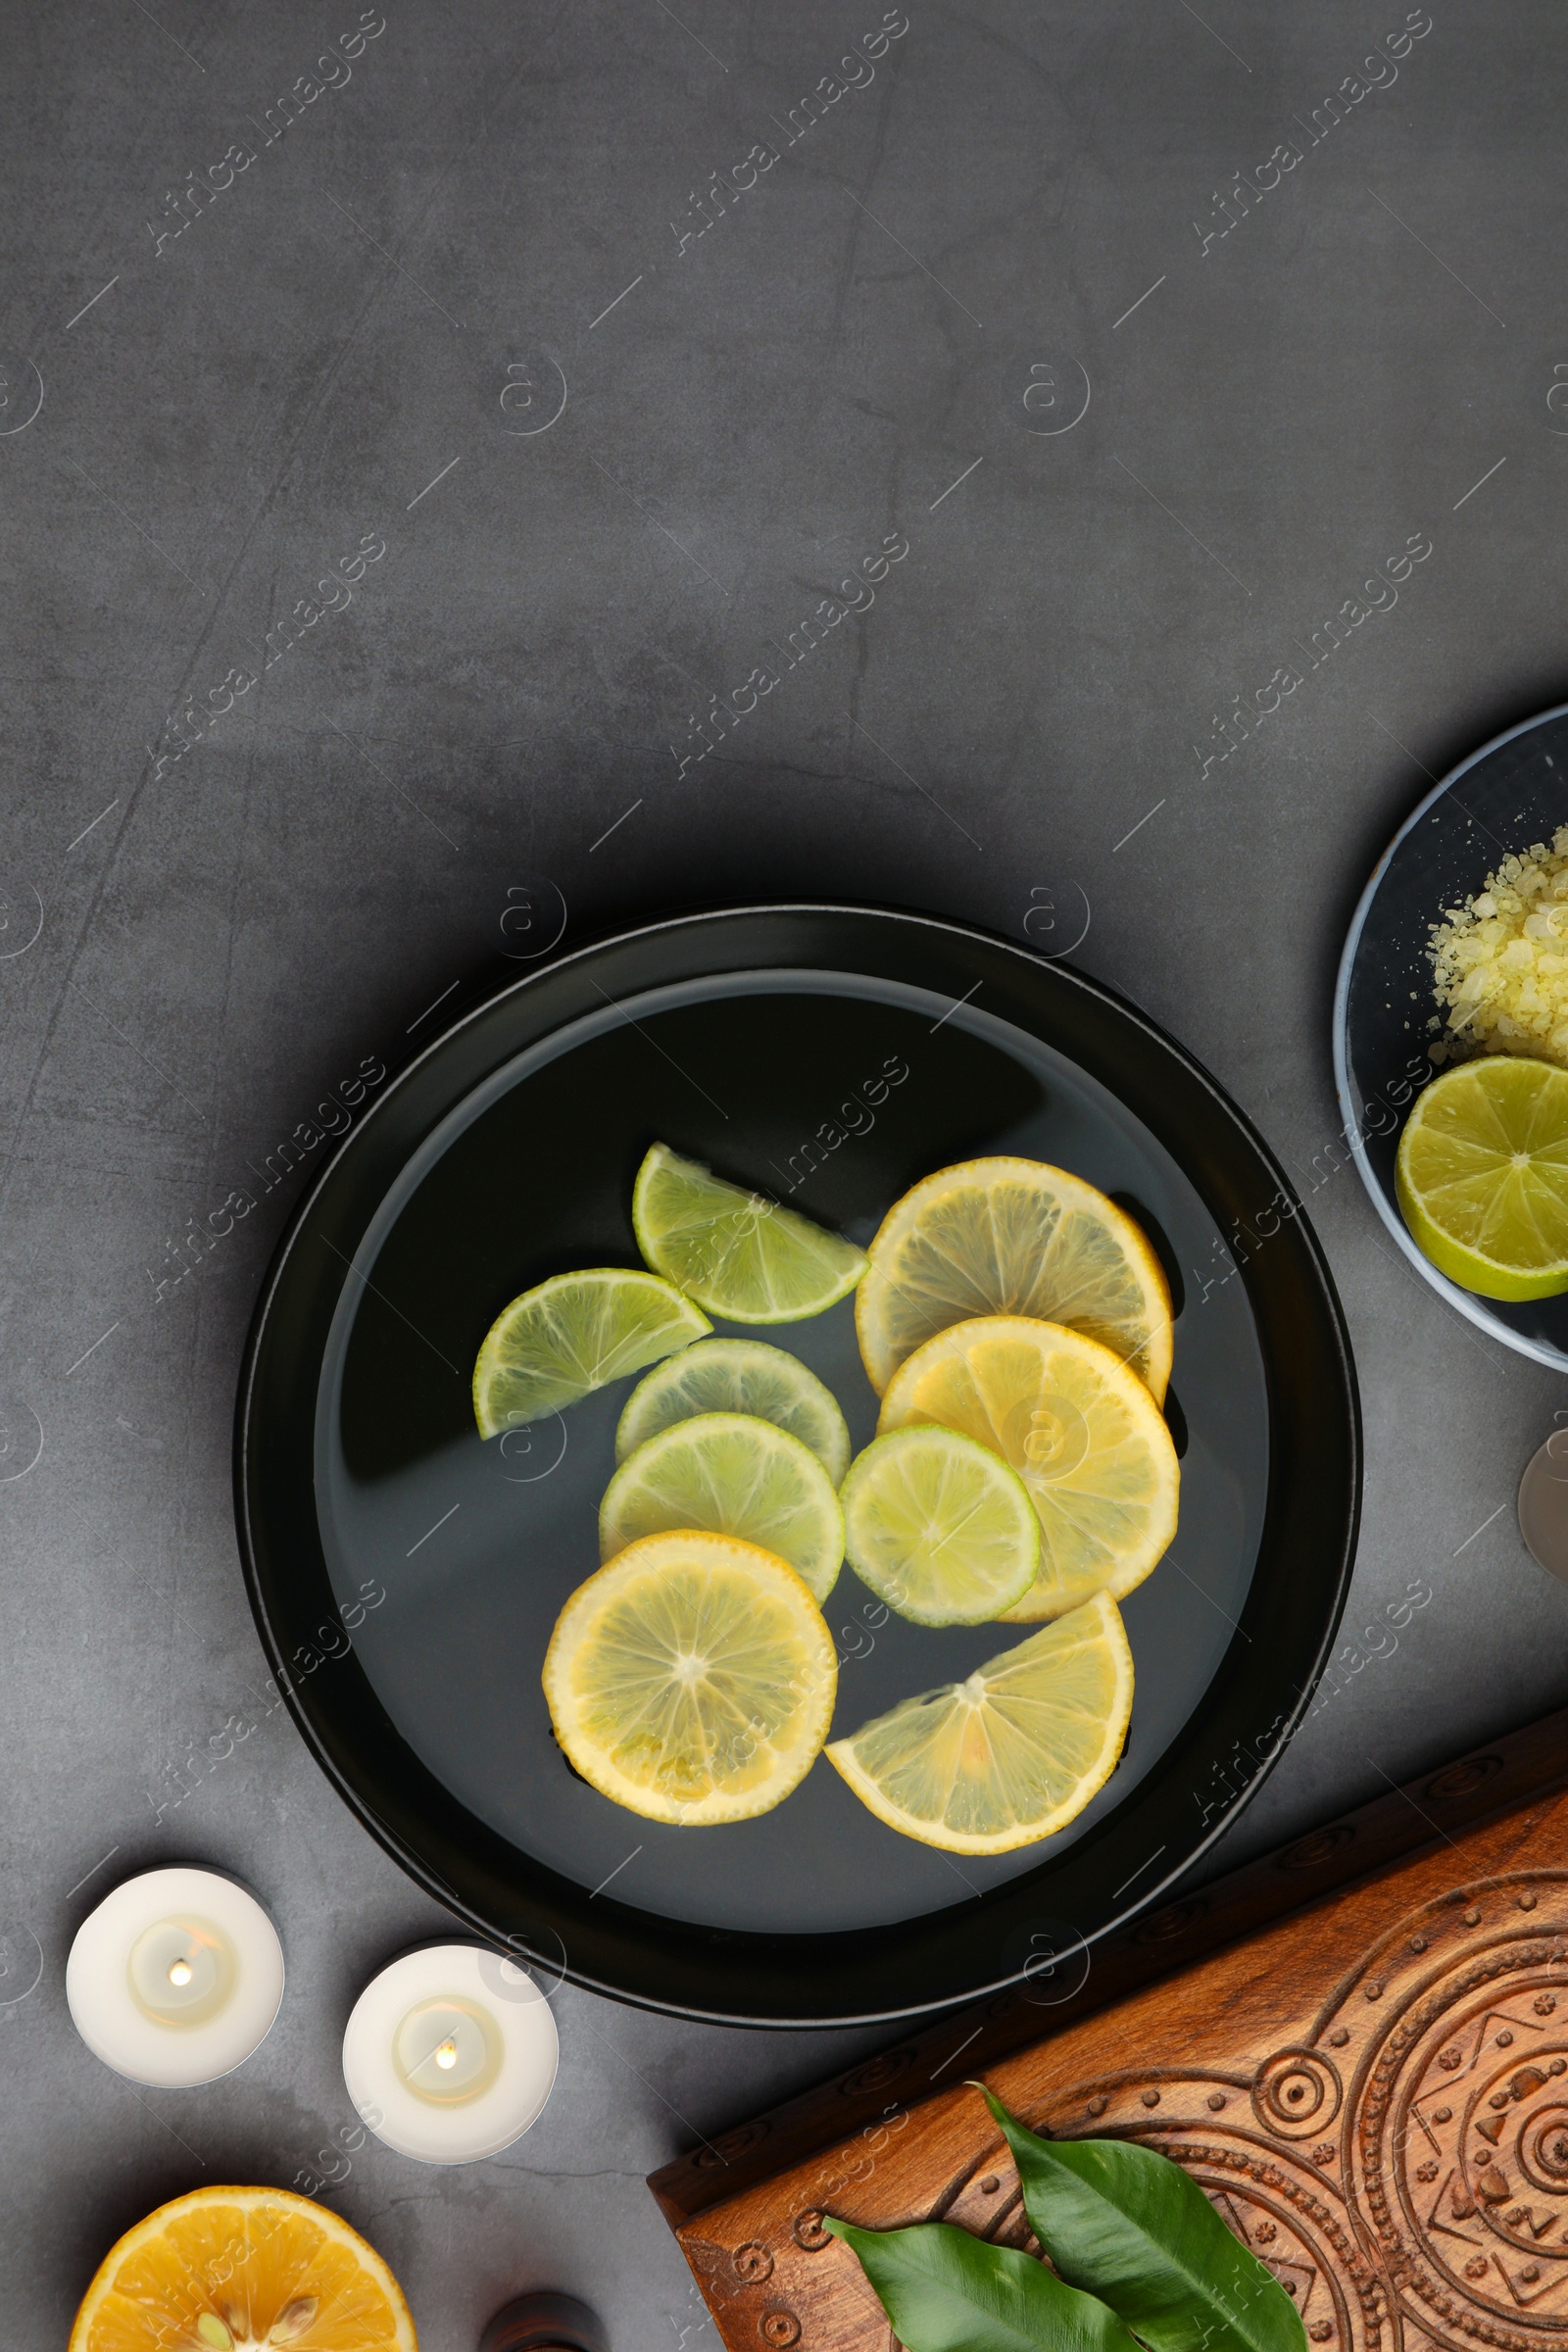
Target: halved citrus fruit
<point>738,1376</point>
<point>733,1474</point>
<point>572,1335</point>
<point>738,1255</point>
<point>1012,1236</point>
<point>1482,1176</point>
<point>692,1680</point>
<point>1082,1431</point>
<point>1013,1753</point>
<point>940,1527</point>
<point>234,2270</point>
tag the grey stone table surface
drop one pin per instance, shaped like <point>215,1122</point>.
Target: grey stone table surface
<point>587,350</point>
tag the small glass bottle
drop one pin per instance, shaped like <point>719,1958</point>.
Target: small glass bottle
<point>544,2322</point>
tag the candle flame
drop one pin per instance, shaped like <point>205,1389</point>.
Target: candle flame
<point>180,1972</point>
<point>447,2054</point>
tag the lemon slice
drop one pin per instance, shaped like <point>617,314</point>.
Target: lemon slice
<point>1012,1236</point>
<point>571,1335</point>
<point>1010,1755</point>
<point>692,1680</point>
<point>1084,1434</point>
<point>228,2270</point>
<point>1482,1176</point>
<point>939,1527</point>
<point>738,1376</point>
<point>739,1255</point>
<point>732,1475</point>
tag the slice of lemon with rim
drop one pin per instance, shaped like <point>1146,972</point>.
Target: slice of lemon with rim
<point>738,1376</point>
<point>733,1474</point>
<point>1012,1236</point>
<point>232,2270</point>
<point>1482,1176</point>
<point>573,1334</point>
<point>1013,1753</point>
<point>1082,1431</point>
<point>692,1680</point>
<point>738,1255</point>
<point>940,1527</point>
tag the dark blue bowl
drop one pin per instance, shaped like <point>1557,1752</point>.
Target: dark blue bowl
<point>1510,794</point>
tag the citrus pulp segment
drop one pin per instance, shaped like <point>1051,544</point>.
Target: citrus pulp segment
<point>1013,1753</point>
<point>738,1376</point>
<point>738,1255</point>
<point>692,1680</point>
<point>571,1335</point>
<point>940,1527</point>
<point>1482,1176</point>
<point>1082,1431</point>
<point>733,1474</point>
<point>225,2269</point>
<point>1012,1236</point>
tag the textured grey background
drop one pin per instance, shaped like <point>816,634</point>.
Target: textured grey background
<point>195,947</point>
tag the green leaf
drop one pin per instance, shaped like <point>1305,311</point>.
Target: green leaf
<point>945,2291</point>
<point>1131,2227</point>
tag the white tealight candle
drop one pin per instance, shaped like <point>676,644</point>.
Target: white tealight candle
<point>449,2053</point>
<point>175,1978</point>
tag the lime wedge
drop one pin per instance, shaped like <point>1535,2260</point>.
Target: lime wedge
<point>738,1376</point>
<point>1010,1755</point>
<point>730,1475</point>
<point>739,1255</point>
<point>572,1334</point>
<point>1482,1176</point>
<point>940,1527</point>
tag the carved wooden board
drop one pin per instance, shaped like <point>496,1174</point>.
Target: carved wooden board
<point>1375,2093</point>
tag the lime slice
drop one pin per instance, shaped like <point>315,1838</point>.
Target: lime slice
<point>734,1476</point>
<point>1012,1236</point>
<point>1010,1755</point>
<point>1084,1434</point>
<point>739,1255</point>
<point>1482,1176</point>
<point>738,1376</point>
<point>939,1527</point>
<point>692,1680</point>
<point>571,1335</point>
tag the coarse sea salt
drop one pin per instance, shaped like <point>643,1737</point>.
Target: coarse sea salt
<point>1500,961</point>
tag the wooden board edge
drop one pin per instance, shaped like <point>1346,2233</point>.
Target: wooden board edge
<point>1483,1782</point>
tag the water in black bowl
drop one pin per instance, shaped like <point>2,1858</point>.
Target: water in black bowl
<point>833,1093</point>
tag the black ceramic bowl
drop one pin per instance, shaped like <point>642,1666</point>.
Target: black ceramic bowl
<point>1510,794</point>
<point>844,1053</point>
